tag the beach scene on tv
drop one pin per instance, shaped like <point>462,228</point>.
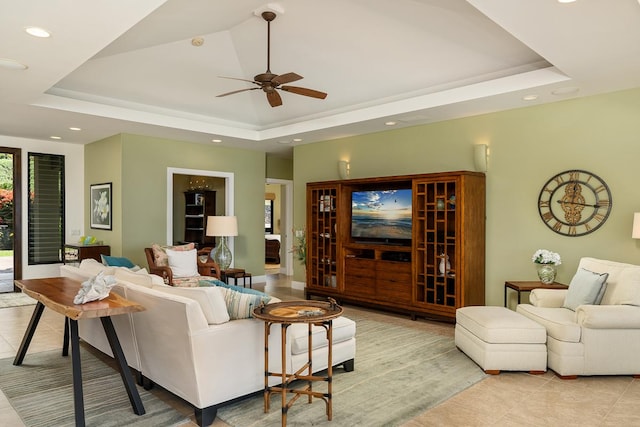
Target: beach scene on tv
<point>382,214</point>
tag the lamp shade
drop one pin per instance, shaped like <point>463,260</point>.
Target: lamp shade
<point>222,226</point>
<point>635,233</point>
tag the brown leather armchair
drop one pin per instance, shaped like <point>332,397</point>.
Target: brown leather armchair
<point>208,268</point>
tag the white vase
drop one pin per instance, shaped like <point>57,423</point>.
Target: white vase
<point>445,265</point>
<point>546,273</point>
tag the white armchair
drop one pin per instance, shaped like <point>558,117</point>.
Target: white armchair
<point>594,339</point>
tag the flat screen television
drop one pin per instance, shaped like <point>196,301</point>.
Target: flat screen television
<point>381,216</point>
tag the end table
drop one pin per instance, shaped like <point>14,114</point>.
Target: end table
<point>528,286</point>
<point>286,313</point>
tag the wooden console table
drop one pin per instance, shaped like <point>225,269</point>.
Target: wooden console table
<point>76,253</point>
<point>57,293</point>
<point>528,286</point>
<point>319,313</point>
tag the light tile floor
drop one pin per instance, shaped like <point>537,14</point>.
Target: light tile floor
<point>508,399</point>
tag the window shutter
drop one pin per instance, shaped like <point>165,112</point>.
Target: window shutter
<point>46,208</point>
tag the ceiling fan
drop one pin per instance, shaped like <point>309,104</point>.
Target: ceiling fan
<point>269,82</point>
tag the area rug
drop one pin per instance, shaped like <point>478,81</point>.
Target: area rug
<point>41,392</point>
<point>402,368</point>
<point>15,299</point>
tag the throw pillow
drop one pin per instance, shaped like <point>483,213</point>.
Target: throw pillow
<point>114,261</point>
<point>160,255</point>
<point>240,305</point>
<point>585,288</point>
<point>183,263</point>
<point>211,301</point>
<point>93,267</point>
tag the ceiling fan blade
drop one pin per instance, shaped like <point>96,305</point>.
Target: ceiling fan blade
<point>236,91</point>
<point>274,98</point>
<point>304,91</point>
<point>242,80</point>
<point>286,78</point>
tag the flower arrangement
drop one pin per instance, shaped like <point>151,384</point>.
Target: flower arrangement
<point>299,249</point>
<point>544,256</point>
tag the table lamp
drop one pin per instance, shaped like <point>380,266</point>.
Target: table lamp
<point>222,226</point>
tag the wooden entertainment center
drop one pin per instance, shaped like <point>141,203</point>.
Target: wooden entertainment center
<point>439,269</point>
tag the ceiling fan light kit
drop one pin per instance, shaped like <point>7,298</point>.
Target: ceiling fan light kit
<point>269,82</point>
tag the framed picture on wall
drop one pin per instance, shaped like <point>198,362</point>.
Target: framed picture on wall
<point>100,196</point>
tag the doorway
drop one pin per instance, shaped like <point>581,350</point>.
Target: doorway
<point>282,226</point>
<point>10,218</point>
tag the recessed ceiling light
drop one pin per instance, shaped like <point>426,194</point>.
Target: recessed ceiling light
<point>11,64</point>
<point>391,123</point>
<point>565,90</point>
<point>37,32</point>
<point>566,1</point>
<point>75,129</point>
<point>55,137</point>
<point>297,139</point>
<point>284,141</point>
<point>216,140</point>
<point>530,97</point>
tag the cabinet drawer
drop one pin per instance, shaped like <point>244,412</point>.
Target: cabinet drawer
<point>394,276</point>
<point>362,286</point>
<point>368,264</point>
<point>393,291</point>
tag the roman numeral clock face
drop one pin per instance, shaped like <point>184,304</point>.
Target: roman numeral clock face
<point>574,203</point>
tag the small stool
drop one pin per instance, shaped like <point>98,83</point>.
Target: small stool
<point>497,338</point>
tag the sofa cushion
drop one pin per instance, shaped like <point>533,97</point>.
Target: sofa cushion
<point>211,301</point>
<point>586,287</point>
<point>240,305</point>
<point>560,323</point>
<point>183,263</point>
<point>499,325</point>
<point>140,279</point>
<point>622,282</point>
<point>344,329</point>
<point>160,254</point>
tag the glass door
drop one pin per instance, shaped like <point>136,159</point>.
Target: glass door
<point>10,219</point>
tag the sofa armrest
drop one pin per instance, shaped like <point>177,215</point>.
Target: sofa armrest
<point>552,298</point>
<point>608,316</point>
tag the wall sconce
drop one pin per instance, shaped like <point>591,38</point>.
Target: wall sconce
<point>344,169</point>
<point>635,233</point>
<point>480,157</point>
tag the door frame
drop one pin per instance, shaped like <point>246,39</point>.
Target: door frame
<point>229,183</point>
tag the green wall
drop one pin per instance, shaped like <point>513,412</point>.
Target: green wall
<point>279,167</point>
<point>102,164</point>
<point>141,163</point>
<point>527,146</point>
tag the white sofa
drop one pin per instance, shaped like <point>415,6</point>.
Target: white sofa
<point>599,339</point>
<point>184,344</point>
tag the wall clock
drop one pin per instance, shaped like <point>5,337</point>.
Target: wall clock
<point>574,203</point>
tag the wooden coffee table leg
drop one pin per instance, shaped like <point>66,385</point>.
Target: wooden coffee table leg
<point>78,398</point>
<point>28,335</point>
<point>125,373</point>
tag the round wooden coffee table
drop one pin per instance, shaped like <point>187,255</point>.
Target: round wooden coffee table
<point>318,313</point>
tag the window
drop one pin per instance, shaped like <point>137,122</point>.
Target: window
<point>268,216</point>
<point>46,208</point>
